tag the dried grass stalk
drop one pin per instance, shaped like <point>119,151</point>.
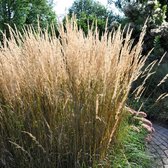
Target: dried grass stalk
<point>52,85</point>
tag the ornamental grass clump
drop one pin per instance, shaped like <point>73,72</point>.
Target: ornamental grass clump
<point>62,98</point>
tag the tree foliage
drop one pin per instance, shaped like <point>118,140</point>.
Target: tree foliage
<point>26,12</point>
<point>89,11</point>
<point>137,11</point>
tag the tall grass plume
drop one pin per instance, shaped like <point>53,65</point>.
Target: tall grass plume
<point>62,98</point>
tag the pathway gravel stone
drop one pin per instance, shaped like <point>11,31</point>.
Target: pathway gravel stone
<point>158,147</point>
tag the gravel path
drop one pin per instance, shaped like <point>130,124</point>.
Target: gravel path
<point>158,147</point>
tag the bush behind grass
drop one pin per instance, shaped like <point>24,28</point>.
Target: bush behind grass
<point>61,98</point>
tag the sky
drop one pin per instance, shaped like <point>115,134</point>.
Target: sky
<point>61,6</point>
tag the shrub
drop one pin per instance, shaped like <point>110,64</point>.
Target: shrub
<point>61,99</point>
<point>155,97</point>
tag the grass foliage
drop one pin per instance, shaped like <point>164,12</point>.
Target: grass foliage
<point>61,98</point>
<point>129,151</point>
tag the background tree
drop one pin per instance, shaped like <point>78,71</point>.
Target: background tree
<point>89,11</point>
<point>26,12</point>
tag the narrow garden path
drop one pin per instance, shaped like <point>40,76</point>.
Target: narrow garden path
<point>158,147</point>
